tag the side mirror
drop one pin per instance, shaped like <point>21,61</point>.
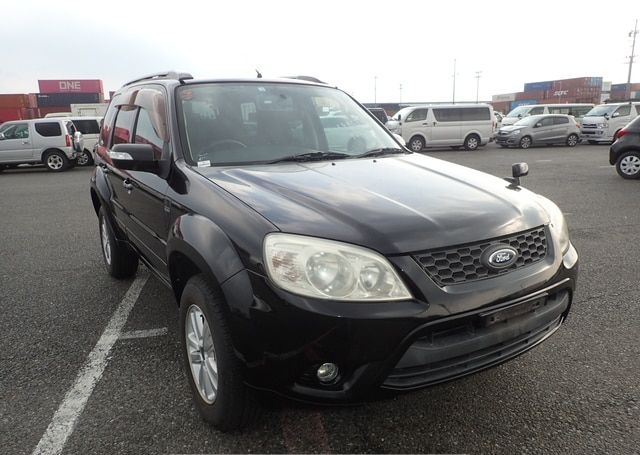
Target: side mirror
<point>519,115</point>
<point>399,139</point>
<point>616,114</point>
<point>399,117</point>
<point>606,116</point>
<point>134,157</point>
<point>519,170</point>
<point>1,136</point>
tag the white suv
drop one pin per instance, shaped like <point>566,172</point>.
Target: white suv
<point>53,142</point>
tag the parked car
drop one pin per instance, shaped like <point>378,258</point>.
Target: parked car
<point>90,129</point>
<point>624,154</point>
<point>454,125</point>
<point>380,114</point>
<point>540,130</point>
<point>602,123</point>
<point>54,142</point>
<point>311,271</point>
<point>577,110</point>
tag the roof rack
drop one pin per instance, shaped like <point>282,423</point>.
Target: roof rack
<point>164,75</point>
<point>306,78</point>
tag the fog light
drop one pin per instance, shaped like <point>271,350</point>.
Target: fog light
<point>327,372</point>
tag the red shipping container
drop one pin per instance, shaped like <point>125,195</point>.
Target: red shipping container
<point>10,113</point>
<point>50,110</point>
<point>70,86</point>
<point>532,95</point>
<point>564,84</point>
<point>14,101</point>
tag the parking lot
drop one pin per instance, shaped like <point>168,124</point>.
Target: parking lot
<point>578,392</point>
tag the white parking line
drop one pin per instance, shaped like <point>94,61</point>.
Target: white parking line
<point>66,417</point>
<point>144,333</point>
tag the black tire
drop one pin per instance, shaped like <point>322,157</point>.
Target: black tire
<point>628,165</point>
<point>525,142</point>
<point>233,406</point>
<point>592,142</point>
<point>85,158</point>
<point>2,168</point>
<point>121,261</point>
<point>472,142</point>
<point>416,144</point>
<point>572,140</point>
<point>504,146</point>
<point>56,161</point>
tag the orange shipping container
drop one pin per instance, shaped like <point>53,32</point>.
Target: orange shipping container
<point>14,101</point>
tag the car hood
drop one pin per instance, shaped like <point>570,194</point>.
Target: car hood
<point>394,205</point>
<point>511,128</point>
<point>594,119</point>
<point>509,120</point>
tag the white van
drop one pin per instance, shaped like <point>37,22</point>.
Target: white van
<point>577,110</point>
<point>453,125</point>
<point>602,123</point>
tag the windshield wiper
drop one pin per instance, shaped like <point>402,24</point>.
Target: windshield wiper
<point>311,156</point>
<point>382,151</point>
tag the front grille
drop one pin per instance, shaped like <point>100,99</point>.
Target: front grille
<point>461,264</point>
<point>589,125</point>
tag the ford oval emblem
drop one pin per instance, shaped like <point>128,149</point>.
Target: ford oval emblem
<point>500,257</point>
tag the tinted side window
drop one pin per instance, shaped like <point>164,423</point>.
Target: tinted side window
<point>146,134</point>
<point>560,120</point>
<point>447,114</point>
<point>418,114</point>
<point>547,121</point>
<point>476,113</point>
<point>107,126</point>
<point>536,110</point>
<point>87,126</point>
<point>638,109</point>
<point>624,110</point>
<point>48,129</point>
<point>124,125</point>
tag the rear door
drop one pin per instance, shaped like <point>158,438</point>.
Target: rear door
<point>560,128</point>
<point>17,143</point>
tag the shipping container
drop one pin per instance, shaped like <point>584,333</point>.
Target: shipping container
<point>15,113</point>
<point>530,95</point>
<point>42,111</point>
<point>534,86</point>
<point>11,101</point>
<point>504,97</point>
<point>618,87</point>
<point>501,106</point>
<point>565,84</point>
<point>66,99</point>
<point>70,86</point>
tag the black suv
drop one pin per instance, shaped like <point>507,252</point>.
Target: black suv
<point>319,260</point>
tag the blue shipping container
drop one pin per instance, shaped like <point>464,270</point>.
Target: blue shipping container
<point>596,82</point>
<point>538,86</point>
<point>517,103</point>
<point>618,87</point>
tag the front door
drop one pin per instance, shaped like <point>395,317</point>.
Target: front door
<point>17,143</point>
<point>416,124</point>
<point>542,131</point>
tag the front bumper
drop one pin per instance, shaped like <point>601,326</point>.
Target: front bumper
<point>508,139</point>
<point>595,134</point>
<point>282,339</point>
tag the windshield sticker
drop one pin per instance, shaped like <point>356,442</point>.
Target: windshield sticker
<point>204,163</point>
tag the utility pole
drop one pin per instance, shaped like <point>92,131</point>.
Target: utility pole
<point>375,90</point>
<point>454,81</point>
<point>477,76</point>
<point>400,93</point>
<point>633,34</point>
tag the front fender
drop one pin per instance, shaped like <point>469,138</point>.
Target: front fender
<point>206,245</point>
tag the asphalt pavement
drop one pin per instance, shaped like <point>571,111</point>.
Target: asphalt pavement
<point>578,392</point>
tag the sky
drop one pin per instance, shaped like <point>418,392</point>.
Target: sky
<point>368,48</point>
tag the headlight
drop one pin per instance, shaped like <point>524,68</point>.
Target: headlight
<point>515,132</point>
<point>557,224</point>
<point>603,125</point>
<point>332,270</point>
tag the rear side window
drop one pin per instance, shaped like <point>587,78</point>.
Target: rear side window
<point>87,126</point>
<point>475,113</point>
<point>447,115</point>
<point>560,120</point>
<point>48,129</point>
<point>124,125</point>
<point>536,110</point>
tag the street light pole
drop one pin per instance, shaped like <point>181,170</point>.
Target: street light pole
<point>454,81</point>
<point>477,76</point>
<point>633,48</point>
<point>400,93</point>
<point>375,90</point>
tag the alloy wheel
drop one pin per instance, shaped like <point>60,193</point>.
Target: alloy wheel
<point>201,354</point>
<point>55,162</point>
<point>106,243</point>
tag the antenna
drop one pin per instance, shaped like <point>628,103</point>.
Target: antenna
<point>259,74</point>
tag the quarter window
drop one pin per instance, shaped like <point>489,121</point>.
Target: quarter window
<point>417,115</point>
<point>124,125</point>
<point>48,129</point>
<point>536,110</point>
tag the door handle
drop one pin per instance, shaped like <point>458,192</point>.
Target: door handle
<point>25,142</point>
<point>128,185</point>
<point>425,123</point>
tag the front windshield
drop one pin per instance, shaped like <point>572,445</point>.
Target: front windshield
<point>241,123</point>
<point>402,113</point>
<point>520,110</point>
<point>601,111</point>
<point>527,121</point>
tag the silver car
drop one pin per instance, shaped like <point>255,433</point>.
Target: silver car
<point>540,130</point>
